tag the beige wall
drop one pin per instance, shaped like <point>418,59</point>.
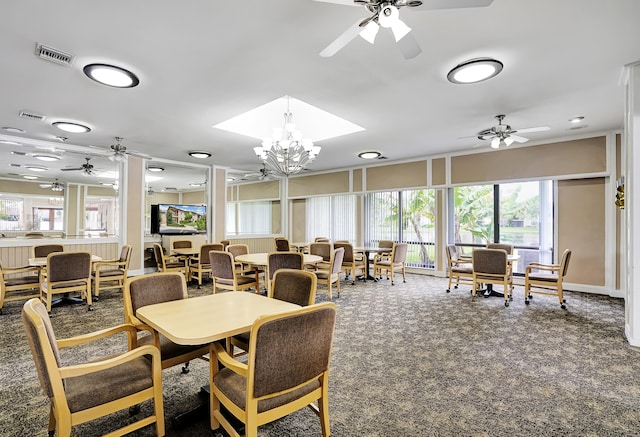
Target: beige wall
<point>388,177</point>
<point>439,171</point>
<point>194,198</point>
<point>322,184</point>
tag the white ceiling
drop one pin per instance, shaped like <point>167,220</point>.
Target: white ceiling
<point>202,62</point>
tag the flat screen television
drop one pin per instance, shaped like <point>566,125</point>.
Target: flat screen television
<point>177,219</point>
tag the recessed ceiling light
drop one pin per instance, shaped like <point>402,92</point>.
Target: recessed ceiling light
<point>576,119</point>
<point>29,176</point>
<point>107,184</point>
<point>170,188</point>
<point>35,168</point>
<point>11,143</point>
<point>475,70</point>
<point>231,179</point>
<point>199,154</point>
<point>155,169</point>
<point>48,158</point>
<point>68,126</point>
<point>15,130</point>
<point>111,75</point>
<point>369,155</point>
<point>196,184</point>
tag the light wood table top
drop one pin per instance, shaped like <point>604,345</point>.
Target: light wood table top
<point>42,261</point>
<point>186,251</point>
<point>204,319</point>
<point>260,259</point>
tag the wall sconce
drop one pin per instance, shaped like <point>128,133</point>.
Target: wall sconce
<point>620,193</point>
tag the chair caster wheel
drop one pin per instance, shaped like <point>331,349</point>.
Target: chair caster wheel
<point>95,298</point>
<point>563,306</point>
<point>185,370</point>
<point>526,302</point>
<point>506,304</point>
<point>448,291</point>
<point>564,300</point>
<point>90,307</point>
<point>455,286</point>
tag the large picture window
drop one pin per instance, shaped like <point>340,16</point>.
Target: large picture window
<point>404,216</point>
<point>333,217</point>
<point>31,213</point>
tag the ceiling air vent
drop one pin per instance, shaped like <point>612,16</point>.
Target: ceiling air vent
<point>53,55</point>
<point>31,115</point>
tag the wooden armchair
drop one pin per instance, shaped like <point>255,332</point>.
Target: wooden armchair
<point>82,392</point>
<point>226,277</point>
<point>67,272</point>
<point>546,279</point>
<point>169,263</point>
<point>287,369</point>
<point>332,275</point>
<point>491,266</point>
<point>393,263</point>
<point>282,244</point>
<point>17,283</point>
<point>282,260</point>
<point>460,269</point>
<point>353,261</point>
<point>154,288</point>
<point>200,265</point>
<point>110,274</point>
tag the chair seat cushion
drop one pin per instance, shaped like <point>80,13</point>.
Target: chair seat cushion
<point>242,280</point>
<point>544,277</point>
<point>168,349</point>
<point>110,272</point>
<point>462,269</point>
<point>174,264</point>
<point>234,387</point>
<point>107,385</point>
<point>66,284</point>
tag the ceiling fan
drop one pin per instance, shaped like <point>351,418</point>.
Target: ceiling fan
<point>120,152</point>
<point>385,13</point>
<point>55,185</point>
<point>504,134</point>
<point>263,174</point>
<point>86,168</point>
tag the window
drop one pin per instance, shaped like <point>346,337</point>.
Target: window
<point>100,214</point>
<point>332,216</point>
<point>519,213</point>
<point>31,213</point>
<point>407,216</point>
<point>250,218</point>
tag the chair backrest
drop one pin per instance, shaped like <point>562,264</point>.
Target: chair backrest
<point>221,264</point>
<point>321,240</point>
<point>43,250</point>
<point>153,288</point>
<point>181,244</point>
<point>295,286</point>
<point>386,243</point>
<point>289,349</point>
<point>158,253</point>
<point>125,255</point>
<point>506,247</point>
<point>564,262</point>
<point>42,342</point>
<point>490,261</point>
<point>348,251</point>
<point>282,244</point>
<point>225,243</point>
<point>399,252</point>
<point>337,259</point>
<point>322,249</point>
<point>208,247</point>
<point>68,266</point>
<point>452,253</point>
<point>34,235</point>
<point>237,249</point>
<point>284,260</point>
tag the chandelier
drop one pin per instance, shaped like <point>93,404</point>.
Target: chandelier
<point>286,152</point>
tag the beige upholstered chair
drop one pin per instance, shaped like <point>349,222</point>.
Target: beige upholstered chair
<point>240,249</point>
<point>282,260</point>
<point>169,263</point>
<point>225,275</point>
<point>460,270</point>
<point>332,276</point>
<point>110,274</point>
<point>490,266</point>
<point>86,391</point>
<point>225,243</point>
<point>68,272</point>
<point>41,251</point>
<point>200,265</point>
<point>155,288</point>
<point>17,283</point>
<point>392,263</point>
<point>546,279</point>
<point>353,261</point>
<point>282,244</point>
<point>322,240</point>
<point>287,369</point>
<point>507,248</point>
<point>323,249</point>
<point>290,285</point>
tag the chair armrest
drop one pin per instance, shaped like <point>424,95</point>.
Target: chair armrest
<point>545,267</point>
<point>97,366</point>
<point>229,362</point>
<point>25,269</point>
<point>112,263</point>
<point>97,335</point>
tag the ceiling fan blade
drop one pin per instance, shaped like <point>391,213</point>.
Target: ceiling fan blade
<point>518,138</point>
<point>342,40</point>
<point>452,4</point>
<point>533,129</point>
<point>338,2</point>
<point>409,46</point>
<point>72,169</point>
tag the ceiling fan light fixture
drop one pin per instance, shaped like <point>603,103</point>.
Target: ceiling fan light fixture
<point>68,126</point>
<point>495,143</point>
<point>400,30</point>
<point>369,155</point>
<point>29,176</point>
<point>508,141</point>
<point>111,75</point>
<point>369,32</point>
<point>388,16</point>
<point>200,154</point>
<point>155,168</point>
<point>475,70</point>
<point>36,168</point>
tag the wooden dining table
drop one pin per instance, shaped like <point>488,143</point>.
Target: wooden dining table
<point>262,258</point>
<point>367,250</point>
<point>42,261</point>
